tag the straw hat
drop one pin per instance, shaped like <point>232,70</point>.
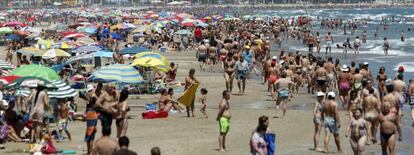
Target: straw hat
<point>344,68</point>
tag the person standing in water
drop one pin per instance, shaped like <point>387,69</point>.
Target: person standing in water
<point>329,42</point>
<point>386,46</point>
<point>359,132</point>
<point>357,45</point>
<point>223,117</point>
<point>402,36</point>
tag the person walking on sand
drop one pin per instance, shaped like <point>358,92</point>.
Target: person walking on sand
<point>40,102</point>
<point>242,68</point>
<point>63,119</point>
<point>389,126</point>
<point>190,80</point>
<point>330,116</point>
<point>371,106</point>
<point>203,100</point>
<point>411,98</point>
<point>223,117</point>
<point>282,89</point>
<point>317,119</point>
<point>121,109</point>
<point>359,132</point>
<point>105,145</point>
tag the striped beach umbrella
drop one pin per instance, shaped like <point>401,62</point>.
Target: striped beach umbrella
<point>86,49</point>
<point>5,65</point>
<point>118,73</point>
<point>63,91</point>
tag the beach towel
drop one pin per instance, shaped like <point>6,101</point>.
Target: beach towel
<point>154,114</point>
<point>49,148</point>
<point>149,107</point>
<point>68,152</point>
<point>270,139</point>
<point>189,95</point>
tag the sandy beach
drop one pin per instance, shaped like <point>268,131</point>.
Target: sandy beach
<point>179,135</point>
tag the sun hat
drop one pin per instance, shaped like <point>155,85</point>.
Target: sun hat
<point>344,68</point>
<point>320,94</point>
<point>89,87</point>
<point>274,58</point>
<point>331,94</point>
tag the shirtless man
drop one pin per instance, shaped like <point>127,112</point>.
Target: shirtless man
<point>273,71</point>
<point>329,42</point>
<point>202,55</point>
<point>212,58</point>
<point>357,45</point>
<point>224,117</point>
<point>386,46</point>
<point>389,125</point>
<point>310,76</point>
<point>105,145</point>
<point>330,69</point>
<point>265,73</point>
<point>321,77</point>
<point>366,73</point>
<point>411,93</point>
<point>63,119</point>
<point>371,106</point>
<point>282,88</point>
<point>399,90</point>
<point>391,98</point>
<point>229,72</point>
<point>330,116</point>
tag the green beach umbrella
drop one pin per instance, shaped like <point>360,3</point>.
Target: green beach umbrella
<point>6,30</point>
<point>36,71</point>
<point>29,82</point>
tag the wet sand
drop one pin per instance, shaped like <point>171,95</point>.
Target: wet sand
<point>179,135</point>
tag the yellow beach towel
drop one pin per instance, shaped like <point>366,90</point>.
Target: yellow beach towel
<point>189,95</point>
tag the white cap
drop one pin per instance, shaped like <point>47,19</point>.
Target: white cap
<point>5,103</point>
<point>365,63</point>
<point>89,87</point>
<point>344,68</point>
<point>320,94</point>
<point>331,94</point>
<point>274,57</point>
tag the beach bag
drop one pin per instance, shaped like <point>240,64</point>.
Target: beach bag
<point>154,114</point>
<point>49,148</point>
<point>270,139</point>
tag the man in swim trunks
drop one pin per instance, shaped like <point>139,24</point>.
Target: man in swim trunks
<point>282,89</point>
<point>344,85</point>
<point>330,69</point>
<point>321,77</point>
<point>202,55</point>
<point>223,117</point>
<point>389,125</point>
<point>399,91</point>
<point>242,69</point>
<point>371,106</point>
<point>330,116</point>
<point>411,93</point>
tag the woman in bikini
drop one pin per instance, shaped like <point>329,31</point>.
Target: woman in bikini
<point>359,133</point>
<point>317,119</point>
<point>166,103</point>
<point>354,103</point>
<point>121,109</point>
<point>381,77</point>
<point>229,72</point>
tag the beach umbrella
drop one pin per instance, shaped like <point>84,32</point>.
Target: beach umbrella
<point>63,90</point>
<point>118,73</point>
<point>134,50</point>
<point>30,51</point>
<point>150,59</point>
<point>13,24</point>
<point>188,24</point>
<point>29,81</point>
<point>53,53</point>
<point>85,40</point>
<point>86,49</point>
<point>141,28</point>
<point>65,45</point>
<point>72,36</point>
<point>8,79</point>
<point>89,30</point>
<point>183,32</point>
<point>6,30</point>
<point>36,71</point>
<point>13,37</point>
<point>5,65</point>
<point>44,42</point>
<point>207,18</point>
<point>103,54</point>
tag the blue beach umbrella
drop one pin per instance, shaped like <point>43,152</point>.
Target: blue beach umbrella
<point>118,73</point>
<point>86,49</point>
<point>116,36</point>
<point>134,50</point>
